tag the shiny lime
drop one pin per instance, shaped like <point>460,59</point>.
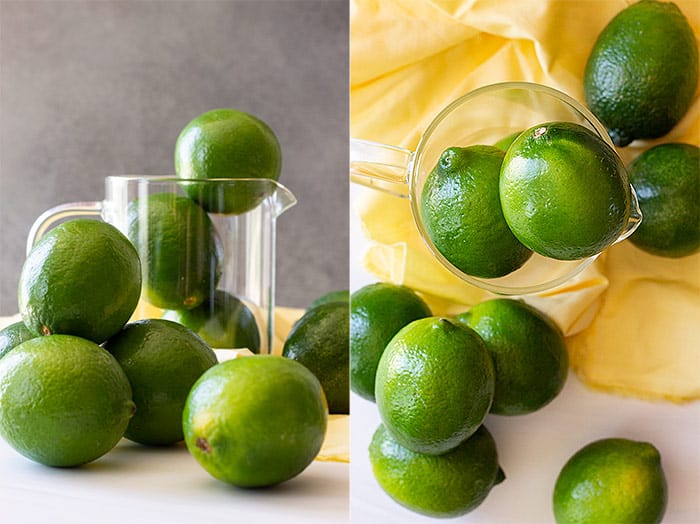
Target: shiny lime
<point>642,72</point>
<point>377,312</point>
<point>255,421</point>
<point>444,486</point>
<point>179,249</point>
<point>435,385</point>
<point>528,352</point>
<point>320,341</point>
<point>667,180</point>
<point>82,278</point>
<point>611,480</point>
<point>162,361</point>
<point>564,191</point>
<point>228,144</point>
<point>65,401</point>
<point>13,335</point>
<point>461,211</point>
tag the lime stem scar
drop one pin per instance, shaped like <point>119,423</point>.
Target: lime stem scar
<point>203,444</point>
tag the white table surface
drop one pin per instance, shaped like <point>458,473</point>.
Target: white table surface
<point>136,484</point>
<point>533,448</point>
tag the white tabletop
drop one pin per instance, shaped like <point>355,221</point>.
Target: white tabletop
<point>533,448</point>
<point>137,484</point>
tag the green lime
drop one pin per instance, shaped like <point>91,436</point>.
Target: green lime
<point>435,384</point>
<point>642,71</point>
<point>82,278</point>
<point>447,485</point>
<point>342,295</point>
<point>162,361</point>
<point>667,181</point>
<point>179,249</point>
<point>504,143</point>
<point>319,340</point>
<point>461,211</point>
<point>232,144</point>
<point>13,335</point>
<point>255,421</point>
<point>222,321</point>
<point>564,191</point>
<point>528,351</point>
<point>65,401</point>
<point>377,312</point>
<point>611,480</point>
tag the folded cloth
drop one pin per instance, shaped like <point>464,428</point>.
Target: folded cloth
<point>411,58</point>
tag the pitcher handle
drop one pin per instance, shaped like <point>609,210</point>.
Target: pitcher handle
<point>380,166</point>
<point>60,212</point>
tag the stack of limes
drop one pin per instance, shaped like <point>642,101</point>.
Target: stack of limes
<point>436,380</point>
<point>487,208</point>
<point>640,79</point>
<point>66,400</point>
<point>178,241</point>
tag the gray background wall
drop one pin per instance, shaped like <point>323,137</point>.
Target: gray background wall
<point>96,88</point>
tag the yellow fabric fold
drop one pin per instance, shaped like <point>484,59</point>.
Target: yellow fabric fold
<point>408,60</point>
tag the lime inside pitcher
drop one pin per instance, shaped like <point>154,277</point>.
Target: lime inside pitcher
<point>213,272</point>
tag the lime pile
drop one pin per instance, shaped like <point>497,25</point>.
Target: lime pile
<point>436,381</point>
<point>64,399</point>
<point>640,79</point>
<point>75,377</point>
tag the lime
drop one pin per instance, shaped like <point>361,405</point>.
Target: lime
<point>179,249</point>
<point>377,312</point>
<point>65,401</point>
<point>255,421</point>
<point>319,340</point>
<point>642,71</point>
<point>13,335</point>
<point>222,321</point>
<point>342,295</point>
<point>447,485</point>
<point>435,384</point>
<point>228,143</point>
<point>162,361</point>
<point>82,278</point>
<point>528,352</point>
<point>667,181</point>
<point>504,143</point>
<point>461,211</point>
<point>564,191</point>
<point>611,480</point>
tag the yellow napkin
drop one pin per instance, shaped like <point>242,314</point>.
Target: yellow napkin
<point>409,59</point>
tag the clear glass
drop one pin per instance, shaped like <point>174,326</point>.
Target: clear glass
<point>483,116</point>
<point>245,242</point>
